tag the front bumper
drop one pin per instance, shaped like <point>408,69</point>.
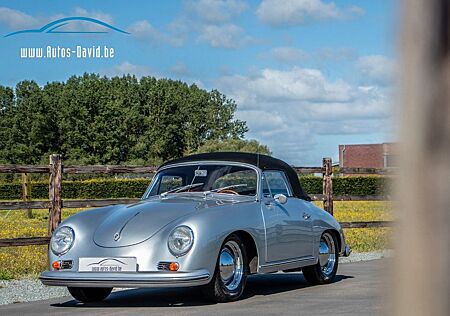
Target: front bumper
<point>127,280</point>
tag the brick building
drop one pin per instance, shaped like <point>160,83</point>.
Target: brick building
<point>367,155</point>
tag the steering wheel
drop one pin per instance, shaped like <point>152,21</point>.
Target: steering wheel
<point>229,191</point>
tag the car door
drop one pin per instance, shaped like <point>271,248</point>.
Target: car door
<point>288,225</point>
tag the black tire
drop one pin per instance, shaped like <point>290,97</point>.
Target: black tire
<point>216,290</point>
<point>90,294</point>
<point>314,274</point>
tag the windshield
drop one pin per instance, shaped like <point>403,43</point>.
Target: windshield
<point>218,178</point>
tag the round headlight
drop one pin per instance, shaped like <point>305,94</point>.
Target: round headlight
<point>180,240</point>
<point>62,240</point>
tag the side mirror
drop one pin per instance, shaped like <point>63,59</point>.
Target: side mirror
<point>280,198</point>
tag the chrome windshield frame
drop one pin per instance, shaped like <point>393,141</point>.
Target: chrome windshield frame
<point>209,162</point>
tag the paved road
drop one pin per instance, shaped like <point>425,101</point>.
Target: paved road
<point>358,291</point>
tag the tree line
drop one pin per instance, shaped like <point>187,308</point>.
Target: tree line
<point>91,119</point>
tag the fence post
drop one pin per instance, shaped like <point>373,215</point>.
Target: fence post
<point>26,193</point>
<point>327,185</point>
<point>54,192</point>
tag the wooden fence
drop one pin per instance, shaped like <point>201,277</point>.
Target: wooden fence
<point>55,204</point>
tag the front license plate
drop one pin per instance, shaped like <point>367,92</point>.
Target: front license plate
<point>118,264</point>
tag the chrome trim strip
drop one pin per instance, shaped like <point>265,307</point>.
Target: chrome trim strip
<point>281,262</point>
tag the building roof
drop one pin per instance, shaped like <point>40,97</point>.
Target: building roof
<point>263,162</point>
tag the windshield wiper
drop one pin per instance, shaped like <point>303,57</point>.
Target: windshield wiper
<point>229,187</point>
<point>182,188</point>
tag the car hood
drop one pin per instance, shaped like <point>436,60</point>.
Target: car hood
<point>127,225</point>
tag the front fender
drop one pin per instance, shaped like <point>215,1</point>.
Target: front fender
<point>84,224</point>
<point>211,228</point>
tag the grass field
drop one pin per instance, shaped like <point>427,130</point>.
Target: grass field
<point>365,239</point>
<point>29,261</point>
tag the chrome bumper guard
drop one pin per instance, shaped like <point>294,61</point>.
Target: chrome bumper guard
<point>126,280</point>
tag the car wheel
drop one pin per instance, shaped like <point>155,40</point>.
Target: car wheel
<point>89,294</point>
<point>230,276</point>
<point>325,270</point>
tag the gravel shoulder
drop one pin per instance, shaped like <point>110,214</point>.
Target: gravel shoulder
<point>366,256</point>
<point>27,290</point>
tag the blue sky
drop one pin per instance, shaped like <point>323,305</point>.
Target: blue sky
<point>307,75</point>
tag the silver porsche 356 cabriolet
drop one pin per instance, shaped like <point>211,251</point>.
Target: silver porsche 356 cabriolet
<point>206,220</point>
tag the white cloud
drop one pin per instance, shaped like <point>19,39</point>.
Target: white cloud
<point>296,56</point>
<point>228,36</point>
<point>289,110</point>
<point>127,68</point>
<point>99,15</point>
<point>144,31</point>
<point>294,12</point>
<point>354,10</point>
<point>86,26</point>
<point>288,55</point>
<point>335,54</point>
<point>209,21</point>
<point>16,19</point>
<point>216,11</point>
<point>181,69</point>
<point>376,69</point>
<point>297,84</point>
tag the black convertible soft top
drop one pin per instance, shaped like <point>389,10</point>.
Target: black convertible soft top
<point>263,162</point>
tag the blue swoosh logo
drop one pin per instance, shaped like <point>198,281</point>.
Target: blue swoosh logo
<point>53,27</point>
<point>102,262</point>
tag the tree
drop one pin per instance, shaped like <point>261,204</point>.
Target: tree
<point>241,145</point>
<point>91,119</point>
<point>28,132</point>
<point>6,107</point>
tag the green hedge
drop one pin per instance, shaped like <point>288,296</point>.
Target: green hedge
<point>87,189</point>
<point>363,185</point>
<point>311,184</point>
<point>134,188</point>
<point>359,185</point>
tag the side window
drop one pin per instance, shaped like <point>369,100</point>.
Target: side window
<point>167,183</point>
<point>277,183</point>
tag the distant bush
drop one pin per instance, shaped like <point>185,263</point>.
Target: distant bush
<point>311,184</point>
<point>87,189</point>
<point>134,188</point>
<point>361,185</point>
<point>358,185</point>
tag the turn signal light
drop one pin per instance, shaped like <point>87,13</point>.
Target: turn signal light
<point>56,265</point>
<point>174,266</point>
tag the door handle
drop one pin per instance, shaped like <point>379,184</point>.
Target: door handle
<point>306,216</point>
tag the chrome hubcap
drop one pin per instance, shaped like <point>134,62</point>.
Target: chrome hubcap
<point>327,254</point>
<point>231,266</point>
<point>226,265</point>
